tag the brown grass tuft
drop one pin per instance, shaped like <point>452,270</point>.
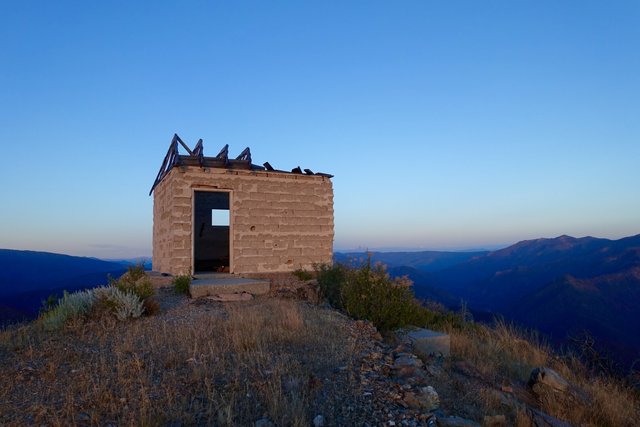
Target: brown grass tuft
<point>505,355</point>
<point>195,364</point>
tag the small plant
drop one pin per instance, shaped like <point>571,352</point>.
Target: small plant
<point>331,278</point>
<point>136,272</point>
<point>123,305</point>
<point>369,293</point>
<point>303,275</point>
<point>49,303</point>
<point>181,284</point>
<point>70,306</point>
<point>135,281</point>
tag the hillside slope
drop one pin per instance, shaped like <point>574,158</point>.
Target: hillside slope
<point>561,286</point>
<point>272,361</point>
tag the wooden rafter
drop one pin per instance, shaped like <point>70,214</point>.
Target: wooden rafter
<point>245,155</point>
<point>196,158</point>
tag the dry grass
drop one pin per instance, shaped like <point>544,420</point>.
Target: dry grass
<point>500,353</point>
<point>504,356</point>
<point>204,363</point>
<point>197,364</point>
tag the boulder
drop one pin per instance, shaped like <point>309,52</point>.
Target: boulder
<point>428,398</point>
<point>548,378</point>
<point>425,342</point>
<point>406,365</point>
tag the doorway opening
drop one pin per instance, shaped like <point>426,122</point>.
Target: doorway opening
<point>211,243</point>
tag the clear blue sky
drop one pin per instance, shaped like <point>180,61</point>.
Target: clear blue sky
<point>447,124</point>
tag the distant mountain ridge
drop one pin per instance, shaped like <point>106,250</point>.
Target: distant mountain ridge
<point>422,260</point>
<point>496,279</point>
<point>561,286</point>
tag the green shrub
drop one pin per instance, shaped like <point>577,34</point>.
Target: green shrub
<point>303,275</point>
<point>70,306</point>
<point>135,281</point>
<point>181,284</point>
<point>136,272</point>
<point>331,278</point>
<point>369,293</point>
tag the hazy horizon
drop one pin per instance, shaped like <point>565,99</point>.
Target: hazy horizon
<point>483,248</point>
<point>447,125</point>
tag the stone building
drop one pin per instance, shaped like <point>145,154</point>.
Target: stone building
<point>217,214</point>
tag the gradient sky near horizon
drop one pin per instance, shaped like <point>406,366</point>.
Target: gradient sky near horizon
<point>447,124</point>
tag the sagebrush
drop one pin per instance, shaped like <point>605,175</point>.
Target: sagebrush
<point>125,298</point>
<point>70,306</point>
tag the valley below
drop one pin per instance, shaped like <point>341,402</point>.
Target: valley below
<point>580,293</point>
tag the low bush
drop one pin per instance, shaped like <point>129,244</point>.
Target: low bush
<point>96,302</point>
<point>181,284</point>
<point>303,275</point>
<point>331,278</point>
<point>69,307</point>
<point>136,272</point>
<point>135,281</point>
<point>367,292</point>
<point>124,305</point>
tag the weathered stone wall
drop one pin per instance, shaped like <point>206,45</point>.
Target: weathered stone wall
<point>278,221</point>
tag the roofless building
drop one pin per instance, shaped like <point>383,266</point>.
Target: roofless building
<point>221,214</point>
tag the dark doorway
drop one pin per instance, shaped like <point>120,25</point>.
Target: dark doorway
<point>211,231</point>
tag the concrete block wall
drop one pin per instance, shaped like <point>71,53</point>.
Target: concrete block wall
<point>278,222</point>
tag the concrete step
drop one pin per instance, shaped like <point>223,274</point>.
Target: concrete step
<point>225,283</point>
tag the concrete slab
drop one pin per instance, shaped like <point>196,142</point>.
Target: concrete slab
<point>426,342</point>
<point>225,283</point>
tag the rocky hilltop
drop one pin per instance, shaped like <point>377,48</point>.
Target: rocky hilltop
<point>287,359</point>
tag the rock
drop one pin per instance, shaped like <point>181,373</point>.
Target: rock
<point>425,342</point>
<point>549,378</point>
<point>407,360</point>
<point>406,366</point>
<point>410,400</point>
<point>428,398</point>
<point>494,421</point>
<point>264,422</point>
<point>454,421</point>
<point>318,421</point>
